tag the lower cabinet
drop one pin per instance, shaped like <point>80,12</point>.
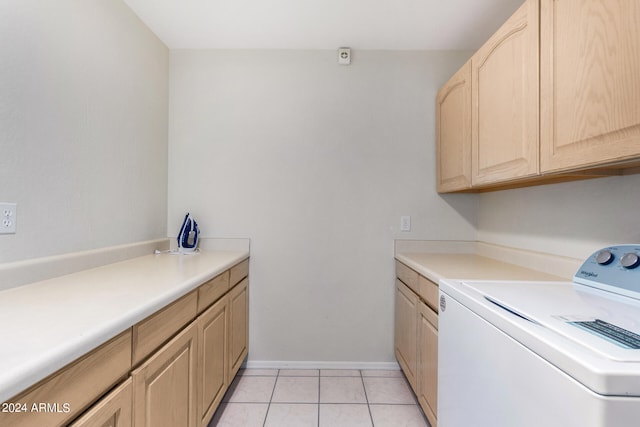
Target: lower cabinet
<point>428,362</point>
<point>164,387</point>
<point>416,340</point>
<point>183,383</point>
<point>212,359</point>
<point>70,392</point>
<point>114,410</point>
<point>405,331</point>
<point>169,370</point>
<point>238,327</point>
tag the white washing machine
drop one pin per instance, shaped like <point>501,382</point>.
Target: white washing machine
<point>544,354</point>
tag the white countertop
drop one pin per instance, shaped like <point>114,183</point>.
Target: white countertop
<point>438,266</point>
<point>48,324</point>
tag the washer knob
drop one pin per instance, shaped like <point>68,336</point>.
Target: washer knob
<point>604,257</point>
<point>630,260</point>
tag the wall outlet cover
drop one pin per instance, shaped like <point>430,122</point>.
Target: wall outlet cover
<point>8,217</point>
<point>405,223</point>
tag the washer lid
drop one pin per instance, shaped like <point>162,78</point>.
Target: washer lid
<point>570,310</point>
<point>554,319</point>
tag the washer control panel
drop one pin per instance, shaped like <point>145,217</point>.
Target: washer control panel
<point>614,269</point>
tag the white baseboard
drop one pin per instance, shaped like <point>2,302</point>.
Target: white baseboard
<point>283,364</point>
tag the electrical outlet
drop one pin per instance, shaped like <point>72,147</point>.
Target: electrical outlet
<point>405,223</point>
<point>8,215</point>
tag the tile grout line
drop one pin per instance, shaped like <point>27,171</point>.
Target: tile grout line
<point>319,379</point>
<point>264,423</point>
<point>366,397</point>
<point>360,373</point>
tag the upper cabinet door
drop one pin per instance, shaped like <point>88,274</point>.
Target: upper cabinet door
<point>505,100</point>
<point>590,82</point>
<point>453,121</point>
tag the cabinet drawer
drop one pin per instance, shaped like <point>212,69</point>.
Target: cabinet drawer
<point>72,389</point>
<point>114,410</point>
<point>209,292</point>
<point>239,272</point>
<point>156,329</point>
<point>407,276</point>
<point>430,315</point>
<point>428,291</point>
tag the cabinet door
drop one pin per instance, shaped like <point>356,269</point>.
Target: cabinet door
<point>114,410</point>
<point>405,335</point>
<point>428,362</point>
<point>505,101</point>
<point>453,122</point>
<point>590,94</point>
<point>238,326</point>
<point>164,387</point>
<point>212,359</point>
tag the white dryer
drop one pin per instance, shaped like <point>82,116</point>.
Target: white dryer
<point>543,354</point>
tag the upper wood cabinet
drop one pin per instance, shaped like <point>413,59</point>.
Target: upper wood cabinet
<point>453,124</point>
<point>505,108</point>
<point>555,96</point>
<point>589,82</point>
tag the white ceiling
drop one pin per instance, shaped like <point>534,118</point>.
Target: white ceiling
<point>324,24</point>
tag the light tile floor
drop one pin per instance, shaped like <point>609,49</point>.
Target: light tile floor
<point>319,398</point>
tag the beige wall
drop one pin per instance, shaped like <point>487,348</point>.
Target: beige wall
<point>315,162</point>
<point>83,126</point>
<point>571,219</point>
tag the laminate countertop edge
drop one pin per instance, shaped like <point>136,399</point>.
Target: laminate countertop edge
<point>48,324</point>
